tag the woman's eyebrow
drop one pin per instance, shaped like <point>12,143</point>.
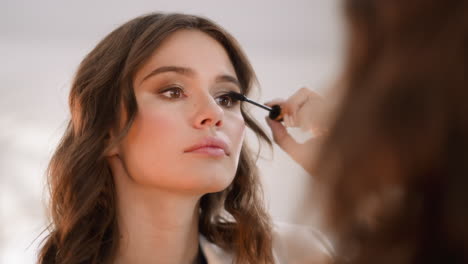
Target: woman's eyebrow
<point>163,69</point>
<point>228,78</point>
<point>189,72</point>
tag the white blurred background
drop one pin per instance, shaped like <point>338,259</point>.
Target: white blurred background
<point>290,44</point>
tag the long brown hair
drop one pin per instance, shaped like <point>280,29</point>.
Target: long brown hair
<point>396,161</point>
<point>82,194</point>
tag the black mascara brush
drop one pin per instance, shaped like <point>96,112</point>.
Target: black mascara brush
<point>275,111</point>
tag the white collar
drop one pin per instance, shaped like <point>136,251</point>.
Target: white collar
<point>213,253</point>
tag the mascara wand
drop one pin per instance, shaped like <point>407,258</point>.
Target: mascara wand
<point>275,111</point>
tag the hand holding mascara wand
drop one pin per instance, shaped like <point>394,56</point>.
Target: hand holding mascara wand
<point>307,108</point>
<point>275,111</point>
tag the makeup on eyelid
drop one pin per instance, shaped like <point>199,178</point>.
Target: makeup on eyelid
<point>176,92</point>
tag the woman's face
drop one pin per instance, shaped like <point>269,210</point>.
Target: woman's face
<point>187,134</point>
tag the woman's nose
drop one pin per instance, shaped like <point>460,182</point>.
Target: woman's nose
<point>208,113</point>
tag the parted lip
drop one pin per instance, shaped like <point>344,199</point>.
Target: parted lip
<point>210,142</point>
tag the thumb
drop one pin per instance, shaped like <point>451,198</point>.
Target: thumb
<point>282,137</point>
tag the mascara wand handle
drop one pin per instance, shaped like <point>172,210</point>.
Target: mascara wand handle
<point>276,113</point>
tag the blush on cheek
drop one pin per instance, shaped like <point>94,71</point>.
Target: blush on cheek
<point>152,144</point>
<point>158,123</point>
<point>241,132</point>
<point>157,119</point>
<point>150,128</point>
<point>241,125</point>
<point>237,133</point>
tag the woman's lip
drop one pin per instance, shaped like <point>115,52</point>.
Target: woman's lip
<point>210,151</point>
<point>211,146</point>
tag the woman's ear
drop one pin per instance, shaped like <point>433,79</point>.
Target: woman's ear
<point>112,148</point>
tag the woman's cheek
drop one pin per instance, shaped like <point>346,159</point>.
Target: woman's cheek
<point>237,129</point>
<point>149,130</point>
<point>151,144</point>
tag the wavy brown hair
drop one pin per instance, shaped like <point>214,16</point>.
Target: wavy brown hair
<point>82,193</point>
<point>396,161</point>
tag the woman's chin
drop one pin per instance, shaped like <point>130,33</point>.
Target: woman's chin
<point>207,183</point>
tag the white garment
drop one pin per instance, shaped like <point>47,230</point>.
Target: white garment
<point>292,244</point>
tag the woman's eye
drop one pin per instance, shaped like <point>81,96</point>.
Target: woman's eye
<point>173,92</point>
<point>226,101</point>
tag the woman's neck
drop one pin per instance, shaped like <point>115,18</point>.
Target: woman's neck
<point>157,226</point>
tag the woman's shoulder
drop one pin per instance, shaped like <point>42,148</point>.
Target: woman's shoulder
<point>293,243</point>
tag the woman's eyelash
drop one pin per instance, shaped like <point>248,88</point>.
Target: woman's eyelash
<point>227,100</point>
<point>172,92</point>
